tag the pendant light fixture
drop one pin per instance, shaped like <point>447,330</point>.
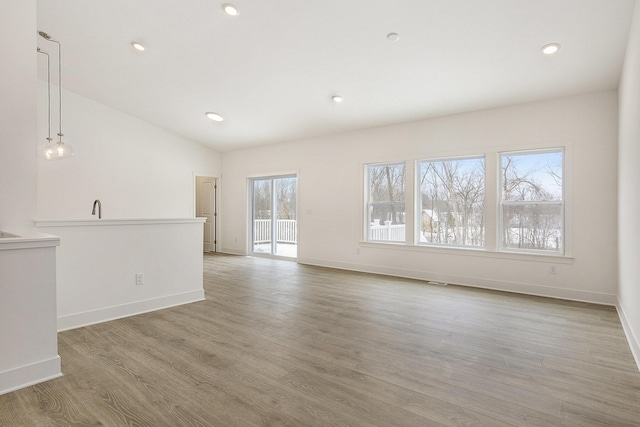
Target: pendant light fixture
<point>58,150</point>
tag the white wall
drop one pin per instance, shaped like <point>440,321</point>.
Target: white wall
<point>136,169</point>
<point>331,192</point>
<point>28,345</point>
<point>98,262</point>
<point>28,340</point>
<point>17,114</point>
<point>628,187</point>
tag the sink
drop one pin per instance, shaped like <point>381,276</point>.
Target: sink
<point>4,235</point>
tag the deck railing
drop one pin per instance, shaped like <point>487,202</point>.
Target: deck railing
<point>287,231</point>
<point>387,232</point>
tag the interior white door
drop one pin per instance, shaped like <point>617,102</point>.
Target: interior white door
<point>205,208</point>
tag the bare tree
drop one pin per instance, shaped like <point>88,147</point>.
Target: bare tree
<point>262,201</point>
<point>452,196</point>
<point>286,197</point>
<point>386,193</point>
<point>532,201</point>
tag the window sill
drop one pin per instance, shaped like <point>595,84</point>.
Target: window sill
<point>460,251</point>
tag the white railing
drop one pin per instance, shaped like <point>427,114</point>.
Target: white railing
<point>287,231</point>
<point>261,230</point>
<point>387,232</point>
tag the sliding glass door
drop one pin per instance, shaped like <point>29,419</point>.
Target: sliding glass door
<point>274,227</point>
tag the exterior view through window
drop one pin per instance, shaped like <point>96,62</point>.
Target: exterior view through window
<point>385,206</point>
<point>274,229</point>
<point>532,201</point>
<point>451,201</point>
<point>449,196</point>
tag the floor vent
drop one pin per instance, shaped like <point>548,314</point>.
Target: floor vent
<point>431,282</point>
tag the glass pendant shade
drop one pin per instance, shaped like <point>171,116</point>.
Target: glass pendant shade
<point>57,150</point>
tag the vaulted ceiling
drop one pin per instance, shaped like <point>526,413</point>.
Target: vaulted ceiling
<point>271,71</point>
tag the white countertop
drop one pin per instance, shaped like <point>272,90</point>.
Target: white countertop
<point>94,222</point>
<point>25,239</point>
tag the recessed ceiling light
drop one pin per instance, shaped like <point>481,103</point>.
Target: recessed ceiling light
<point>337,99</point>
<point>230,9</point>
<point>551,48</point>
<point>393,37</point>
<point>214,116</point>
<point>137,46</point>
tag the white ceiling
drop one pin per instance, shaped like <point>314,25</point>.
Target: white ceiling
<point>271,71</point>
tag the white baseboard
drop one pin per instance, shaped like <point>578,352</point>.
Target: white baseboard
<point>477,282</point>
<point>79,320</point>
<point>632,338</point>
<point>31,374</point>
<point>231,251</point>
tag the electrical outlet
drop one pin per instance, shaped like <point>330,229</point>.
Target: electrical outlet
<point>139,279</point>
<point>553,269</point>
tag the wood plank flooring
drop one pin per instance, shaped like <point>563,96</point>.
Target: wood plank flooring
<point>281,344</point>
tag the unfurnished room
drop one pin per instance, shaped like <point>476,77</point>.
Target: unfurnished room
<point>320,213</point>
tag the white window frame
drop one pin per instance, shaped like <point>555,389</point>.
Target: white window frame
<point>418,200</point>
<point>501,203</point>
<point>368,204</point>
<point>492,208</point>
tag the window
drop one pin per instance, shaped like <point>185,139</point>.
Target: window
<point>510,201</point>
<point>450,202</point>
<point>385,202</point>
<point>532,201</point>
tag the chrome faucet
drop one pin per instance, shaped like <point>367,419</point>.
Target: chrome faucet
<point>93,212</point>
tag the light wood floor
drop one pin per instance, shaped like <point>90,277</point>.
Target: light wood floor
<point>277,343</point>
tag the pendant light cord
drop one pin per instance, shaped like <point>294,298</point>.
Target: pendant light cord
<point>48,38</point>
<point>48,91</point>
<point>59,86</point>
